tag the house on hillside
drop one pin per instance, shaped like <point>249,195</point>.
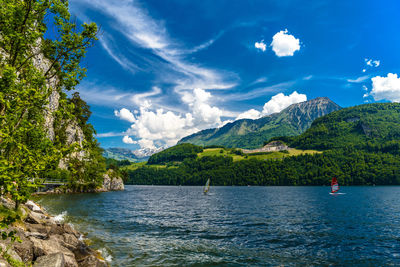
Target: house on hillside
<point>270,147</point>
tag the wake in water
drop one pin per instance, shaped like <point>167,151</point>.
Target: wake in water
<point>107,256</point>
<point>60,217</point>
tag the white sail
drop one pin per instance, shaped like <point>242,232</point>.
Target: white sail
<point>207,186</point>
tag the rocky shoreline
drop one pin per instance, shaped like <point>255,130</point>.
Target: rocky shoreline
<point>46,242</point>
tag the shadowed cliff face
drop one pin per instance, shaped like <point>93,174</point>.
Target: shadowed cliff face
<point>247,133</point>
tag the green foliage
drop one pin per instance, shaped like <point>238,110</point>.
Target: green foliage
<point>236,151</point>
<point>213,146</point>
<point>175,153</point>
<point>25,149</point>
<point>351,166</point>
<point>118,163</point>
<point>87,172</point>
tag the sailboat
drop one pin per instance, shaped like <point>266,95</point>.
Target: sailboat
<point>335,187</point>
<point>207,187</point>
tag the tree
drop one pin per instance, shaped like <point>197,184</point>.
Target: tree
<point>25,86</point>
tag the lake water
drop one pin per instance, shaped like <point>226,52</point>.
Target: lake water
<point>236,226</point>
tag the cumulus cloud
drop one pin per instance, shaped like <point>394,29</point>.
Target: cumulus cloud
<point>260,45</point>
<point>284,44</point>
<point>280,101</point>
<point>277,103</point>
<point>125,114</point>
<point>127,140</point>
<point>202,112</point>
<point>386,87</point>
<point>249,114</point>
<point>153,127</point>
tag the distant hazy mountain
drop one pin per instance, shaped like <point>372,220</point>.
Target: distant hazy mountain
<point>247,133</point>
<point>132,155</point>
<point>120,154</point>
<point>147,152</point>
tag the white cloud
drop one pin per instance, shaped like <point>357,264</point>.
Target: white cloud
<point>118,57</point>
<point>260,45</point>
<point>128,140</point>
<point>259,91</point>
<point>109,134</point>
<point>276,104</point>
<point>125,114</point>
<point>139,99</point>
<point>371,63</point>
<point>162,127</point>
<point>284,44</point>
<point>203,114</point>
<point>386,88</point>
<point>280,101</point>
<point>249,114</point>
<point>359,79</point>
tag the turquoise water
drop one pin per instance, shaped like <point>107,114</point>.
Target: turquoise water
<point>238,226</point>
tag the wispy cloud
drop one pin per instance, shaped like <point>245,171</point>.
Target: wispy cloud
<point>260,91</point>
<point>109,134</point>
<point>359,79</point>
<point>106,43</point>
<point>142,30</point>
<point>138,99</point>
<point>108,96</point>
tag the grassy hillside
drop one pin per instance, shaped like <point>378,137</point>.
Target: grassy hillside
<point>210,152</point>
<point>250,134</point>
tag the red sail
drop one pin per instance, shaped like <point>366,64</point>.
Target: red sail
<point>334,185</point>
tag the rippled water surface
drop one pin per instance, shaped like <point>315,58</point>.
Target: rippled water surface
<point>236,226</point>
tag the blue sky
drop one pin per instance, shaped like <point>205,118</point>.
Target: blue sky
<point>165,69</point>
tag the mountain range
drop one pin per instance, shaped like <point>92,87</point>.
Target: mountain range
<point>132,155</point>
<point>370,126</point>
<point>248,133</point>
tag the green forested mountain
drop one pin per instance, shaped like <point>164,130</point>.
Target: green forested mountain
<point>249,133</point>
<point>369,126</point>
<point>358,145</point>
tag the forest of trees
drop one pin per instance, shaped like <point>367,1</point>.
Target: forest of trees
<point>176,153</point>
<point>350,166</point>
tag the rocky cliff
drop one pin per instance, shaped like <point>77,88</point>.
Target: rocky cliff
<point>111,182</point>
<point>67,129</point>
